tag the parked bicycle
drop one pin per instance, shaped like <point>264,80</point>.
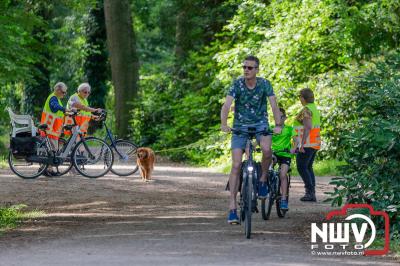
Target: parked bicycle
<point>275,194</point>
<point>249,178</point>
<point>125,156</point>
<point>30,157</point>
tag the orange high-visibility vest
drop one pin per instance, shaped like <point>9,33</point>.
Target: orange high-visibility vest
<point>53,120</point>
<point>314,138</point>
<point>82,120</point>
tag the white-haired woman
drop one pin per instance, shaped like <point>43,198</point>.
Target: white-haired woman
<point>79,101</point>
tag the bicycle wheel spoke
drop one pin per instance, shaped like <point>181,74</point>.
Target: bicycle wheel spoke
<point>92,157</point>
<point>63,168</point>
<point>124,158</point>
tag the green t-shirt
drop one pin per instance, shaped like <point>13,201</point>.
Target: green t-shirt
<point>250,105</point>
<point>283,141</point>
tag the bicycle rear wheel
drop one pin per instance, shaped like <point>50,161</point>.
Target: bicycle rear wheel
<point>124,158</point>
<point>25,169</point>
<point>92,157</point>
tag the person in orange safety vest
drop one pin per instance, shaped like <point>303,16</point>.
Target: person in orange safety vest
<point>307,126</point>
<point>79,101</point>
<point>53,116</point>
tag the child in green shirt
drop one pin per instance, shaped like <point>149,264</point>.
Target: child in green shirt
<point>284,146</point>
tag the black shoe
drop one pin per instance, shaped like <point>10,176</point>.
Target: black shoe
<point>46,173</point>
<point>50,173</point>
<point>308,197</point>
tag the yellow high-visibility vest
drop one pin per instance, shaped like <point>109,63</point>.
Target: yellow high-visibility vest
<point>53,120</point>
<point>314,137</point>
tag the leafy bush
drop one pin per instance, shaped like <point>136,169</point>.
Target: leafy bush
<point>370,139</point>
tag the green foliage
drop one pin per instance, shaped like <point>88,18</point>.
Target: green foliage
<point>177,111</point>
<point>16,24</point>
<point>371,139</point>
<point>10,216</point>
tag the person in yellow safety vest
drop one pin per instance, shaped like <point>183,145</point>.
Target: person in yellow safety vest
<point>80,102</point>
<point>307,126</point>
<point>53,115</point>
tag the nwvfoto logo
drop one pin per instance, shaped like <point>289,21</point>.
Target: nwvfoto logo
<point>337,235</point>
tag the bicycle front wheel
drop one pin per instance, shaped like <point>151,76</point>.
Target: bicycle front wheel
<point>266,204</point>
<point>247,206</point>
<point>281,213</point>
<point>92,157</point>
<point>63,168</point>
<point>125,158</point>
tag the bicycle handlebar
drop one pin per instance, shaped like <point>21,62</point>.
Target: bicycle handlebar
<point>102,115</point>
<point>72,112</point>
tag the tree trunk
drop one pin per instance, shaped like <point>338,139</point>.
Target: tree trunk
<point>96,65</point>
<point>182,38</point>
<point>124,60</point>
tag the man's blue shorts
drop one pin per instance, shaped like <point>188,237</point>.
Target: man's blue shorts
<point>238,141</point>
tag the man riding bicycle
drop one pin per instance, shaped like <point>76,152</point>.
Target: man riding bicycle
<point>250,95</point>
<point>284,146</point>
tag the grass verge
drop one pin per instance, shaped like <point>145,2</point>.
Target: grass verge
<point>11,216</point>
<point>394,249</point>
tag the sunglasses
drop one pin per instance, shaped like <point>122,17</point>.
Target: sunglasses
<point>248,67</point>
<point>86,92</point>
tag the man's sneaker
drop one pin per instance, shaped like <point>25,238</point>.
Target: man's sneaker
<point>308,197</point>
<point>284,205</point>
<point>263,190</point>
<point>233,218</point>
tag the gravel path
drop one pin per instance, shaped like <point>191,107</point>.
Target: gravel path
<point>177,219</point>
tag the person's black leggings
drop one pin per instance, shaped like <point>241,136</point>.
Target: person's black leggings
<point>305,168</point>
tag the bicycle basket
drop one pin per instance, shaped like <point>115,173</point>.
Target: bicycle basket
<point>23,146</point>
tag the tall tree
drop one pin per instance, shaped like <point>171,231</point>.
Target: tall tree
<point>96,64</point>
<point>182,32</point>
<point>123,58</point>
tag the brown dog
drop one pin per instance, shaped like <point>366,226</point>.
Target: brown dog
<point>145,161</point>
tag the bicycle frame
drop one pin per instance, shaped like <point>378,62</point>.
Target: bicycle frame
<point>71,141</point>
<point>109,135</point>
<point>70,144</point>
<point>113,145</point>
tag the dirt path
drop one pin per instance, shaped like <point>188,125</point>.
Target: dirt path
<point>178,219</point>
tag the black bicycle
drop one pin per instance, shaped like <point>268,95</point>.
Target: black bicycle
<point>30,157</point>
<point>275,194</point>
<point>249,178</point>
<point>125,151</point>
